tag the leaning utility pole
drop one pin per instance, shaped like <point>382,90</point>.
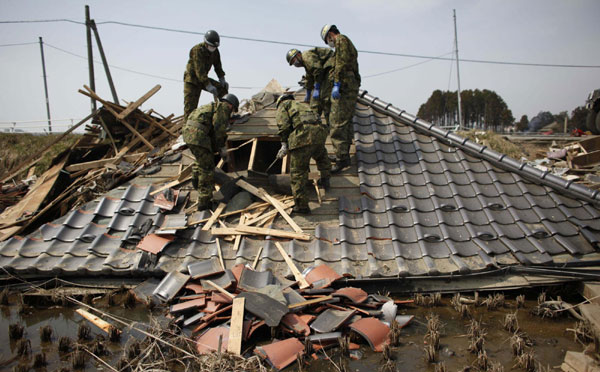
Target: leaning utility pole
<point>88,28</point>
<point>457,71</point>
<point>45,85</point>
<point>104,62</point>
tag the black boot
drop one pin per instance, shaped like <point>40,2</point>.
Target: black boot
<point>339,165</point>
<point>324,183</point>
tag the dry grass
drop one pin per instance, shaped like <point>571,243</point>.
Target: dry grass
<point>495,142</point>
<point>15,147</point>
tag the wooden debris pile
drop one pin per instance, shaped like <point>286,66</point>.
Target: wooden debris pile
<point>120,142</point>
<point>579,161</point>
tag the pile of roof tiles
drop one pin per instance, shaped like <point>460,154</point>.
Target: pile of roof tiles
<point>209,303</point>
<point>121,142</point>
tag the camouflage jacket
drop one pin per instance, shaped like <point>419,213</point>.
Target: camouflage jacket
<point>317,63</point>
<point>207,126</point>
<point>200,63</point>
<point>346,59</point>
<point>299,126</point>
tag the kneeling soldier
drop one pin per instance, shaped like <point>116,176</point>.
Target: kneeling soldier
<point>205,133</point>
<point>303,134</point>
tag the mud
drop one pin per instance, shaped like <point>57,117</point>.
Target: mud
<point>549,338</point>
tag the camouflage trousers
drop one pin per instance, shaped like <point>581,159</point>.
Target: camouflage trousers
<point>203,174</point>
<point>191,96</point>
<point>300,167</point>
<point>322,106</point>
<point>342,111</point>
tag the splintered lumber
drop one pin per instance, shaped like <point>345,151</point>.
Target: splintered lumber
<point>37,156</point>
<point>259,219</point>
<point>220,253</point>
<point>252,207</point>
<point>220,289</point>
<point>100,163</point>
<point>310,302</point>
<point>238,238</point>
<point>103,325</point>
<point>183,176</point>
<point>299,277</point>
<point>234,343</point>
<point>214,217</point>
<point>256,258</point>
<point>251,230</point>
<point>132,106</point>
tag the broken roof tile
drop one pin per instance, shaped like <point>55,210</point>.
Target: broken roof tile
<point>204,268</point>
<point>170,285</point>
<point>374,331</point>
<point>296,324</point>
<point>264,307</point>
<point>187,305</point>
<point>155,243</point>
<point>356,295</point>
<point>321,276</point>
<point>209,340</point>
<point>330,319</point>
<point>280,354</point>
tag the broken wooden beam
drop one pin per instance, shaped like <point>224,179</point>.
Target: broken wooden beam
<point>98,322</point>
<point>100,163</point>
<point>297,274</point>
<point>134,105</point>
<point>251,230</point>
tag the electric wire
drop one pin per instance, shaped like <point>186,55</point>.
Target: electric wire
<point>513,63</point>
<point>17,44</point>
<point>402,68</point>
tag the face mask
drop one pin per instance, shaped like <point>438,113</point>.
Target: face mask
<point>211,48</point>
<point>297,63</point>
<point>331,43</point>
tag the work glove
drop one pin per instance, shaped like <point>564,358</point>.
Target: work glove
<point>335,92</point>
<point>224,83</point>
<point>212,90</point>
<point>282,151</point>
<point>307,96</point>
<point>317,91</point>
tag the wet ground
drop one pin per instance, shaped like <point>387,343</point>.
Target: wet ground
<point>549,338</point>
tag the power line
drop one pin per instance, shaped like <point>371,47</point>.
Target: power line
<point>17,44</point>
<point>403,68</point>
<point>513,63</point>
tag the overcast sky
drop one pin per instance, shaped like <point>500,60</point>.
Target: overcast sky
<point>541,31</point>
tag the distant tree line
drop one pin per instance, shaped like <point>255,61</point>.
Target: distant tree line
<point>481,109</point>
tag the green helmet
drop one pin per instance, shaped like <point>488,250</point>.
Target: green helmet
<point>211,37</point>
<point>325,30</point>
<point>291,54</point>
<point>232,99</point>
<point>284,97</point>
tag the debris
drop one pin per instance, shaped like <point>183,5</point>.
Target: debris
<point>280,354</point>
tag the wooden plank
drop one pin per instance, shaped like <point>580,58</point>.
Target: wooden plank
<point>134,105</point>
<point>98,322</point>
<point>37,156</point>
<point>318,191</point>
<point>169,185</point>
<point>220,289</point>
<point>238,238</point>
<point>251,230</point>
<point>256,258</point>
<point>281,210</point>
<point>220,253</point>
<point>100,163</point>
<point>252,207</point>
<point>297,274</point>
<point>161,126</point>
<point>580,362</point>
<point>592,313</point>
<point>252,153</point>
<point>234,343</point>
<point>310,302</point>
<point>214,217</point>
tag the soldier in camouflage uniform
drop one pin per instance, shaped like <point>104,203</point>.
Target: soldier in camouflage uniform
<point>301,131</point>
<point>195,79</point>
<point>317,63</point>
<point>205,133</point>
<point>346,81</point>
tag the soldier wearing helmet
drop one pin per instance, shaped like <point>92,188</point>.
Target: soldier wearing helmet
<point>203,57</point>
<point>345,79</point>
<point>205,133</point>
<point>303,136</point>
<point>317,63</point>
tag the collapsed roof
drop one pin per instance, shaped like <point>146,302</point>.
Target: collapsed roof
<point>417,202</point>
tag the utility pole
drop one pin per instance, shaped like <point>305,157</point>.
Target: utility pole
<point>457,71</point>
<point>104,62</point>
<point>88,28</point>
<point>45,85</point>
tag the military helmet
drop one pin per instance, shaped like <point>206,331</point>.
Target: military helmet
<point>325,30</point>
<point>211,37</point>
<point>284,97</point>
<point>232,99</point>
<point>291,54</point>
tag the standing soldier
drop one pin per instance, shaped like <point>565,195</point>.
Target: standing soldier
<point>205,133</point>
<point>301,131</point>
<point>195,79</point>
<point>346,81</point>
<point>317,63</point>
